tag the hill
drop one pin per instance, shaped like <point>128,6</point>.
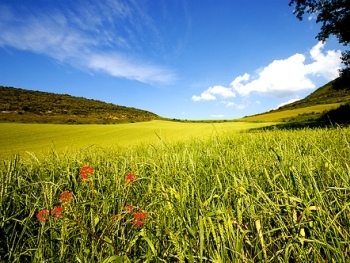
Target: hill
<point>325,105</point>
<point>326,94</point>
<point>27,106</point>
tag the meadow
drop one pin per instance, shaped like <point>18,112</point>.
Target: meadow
<point>251,196</point>
<point>39,139</point>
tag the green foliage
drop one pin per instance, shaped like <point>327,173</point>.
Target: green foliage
<point>273,196</point>
<point>19,105</point>
<point>339,115</point>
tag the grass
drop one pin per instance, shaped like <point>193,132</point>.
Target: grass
<point>287,114</point>
<point>41,138</point>
<point>264,196</point>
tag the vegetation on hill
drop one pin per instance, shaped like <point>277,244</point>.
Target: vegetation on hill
<point>20,105</point>
<point>326,94</point>
<point>326,106</point>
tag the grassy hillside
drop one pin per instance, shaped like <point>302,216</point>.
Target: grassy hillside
<point>326,94</point>
<point>324,105</point>
<point>19,105</point>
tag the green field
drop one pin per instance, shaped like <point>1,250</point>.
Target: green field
<point>259,196</point>
<point>285,114</point>
<point>41,138</point>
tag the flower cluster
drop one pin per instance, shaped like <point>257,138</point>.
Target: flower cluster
<point>86,172</point>
<point>139,218</point>
<point>42,215</point>
<point>65,197</point>
<point>56,212</point>
<point>130,178</point>
<point>129,208</point>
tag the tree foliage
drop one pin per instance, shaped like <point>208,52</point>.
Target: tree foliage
<point>334,15</point>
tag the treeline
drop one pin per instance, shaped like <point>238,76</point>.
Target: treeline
<point>20,105</point>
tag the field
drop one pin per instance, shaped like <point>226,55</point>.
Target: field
<point>42,138</point>
<point>258,196</point>
<point>285,114</point>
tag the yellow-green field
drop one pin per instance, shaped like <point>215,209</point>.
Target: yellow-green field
<point>265,196</point>
<point>40,138</point>
<point>278,116</point>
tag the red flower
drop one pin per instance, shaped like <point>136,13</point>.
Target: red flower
<point>42,215</point>
<point>140,215</point>
<point>65,197</point>
<point>139,218</point>
<point>137,222</point>
<point>114,217</point>
<point>129,208</point>
<point>130,177</point>
<point>57,212</point>
<point>85,172</point>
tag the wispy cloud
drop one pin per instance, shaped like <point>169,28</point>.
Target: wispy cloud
<point>281,78</point>
<point>118,66</point>
<point>100,36</point>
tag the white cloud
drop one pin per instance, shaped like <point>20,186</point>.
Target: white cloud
<point>281,78</point>
<point>286,103</point>
<point>204,96</point>
<point>288,76</point>
<point>74,33</point>
<point>212,92</point>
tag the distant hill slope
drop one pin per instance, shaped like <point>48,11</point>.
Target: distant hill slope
<point>326,94</point>
<point>20,105</point>
<point>323,105</point>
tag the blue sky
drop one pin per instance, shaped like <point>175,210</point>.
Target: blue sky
<point>195,59</point>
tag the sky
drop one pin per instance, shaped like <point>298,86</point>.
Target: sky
<point>183,59</point>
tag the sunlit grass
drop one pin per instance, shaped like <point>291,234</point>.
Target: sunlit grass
<point>40,138</point>
<point>273,196</point>
<point>280,115</point>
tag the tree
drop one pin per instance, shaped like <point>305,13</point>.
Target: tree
<point>335,18</point>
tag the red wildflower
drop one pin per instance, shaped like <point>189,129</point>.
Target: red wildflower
<point>65,197</point>
<point>85,172</point>
<point>114,217</point>
<point>42,215</point>
<point>130,177</point>
<point>129,208</point>
<point>140,215</point>
<point>57,212</point>
<point>137,222</point>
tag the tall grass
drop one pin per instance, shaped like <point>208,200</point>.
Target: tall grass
<point>273,196</point>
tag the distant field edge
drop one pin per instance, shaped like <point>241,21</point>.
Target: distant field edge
<point>277,116</point>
